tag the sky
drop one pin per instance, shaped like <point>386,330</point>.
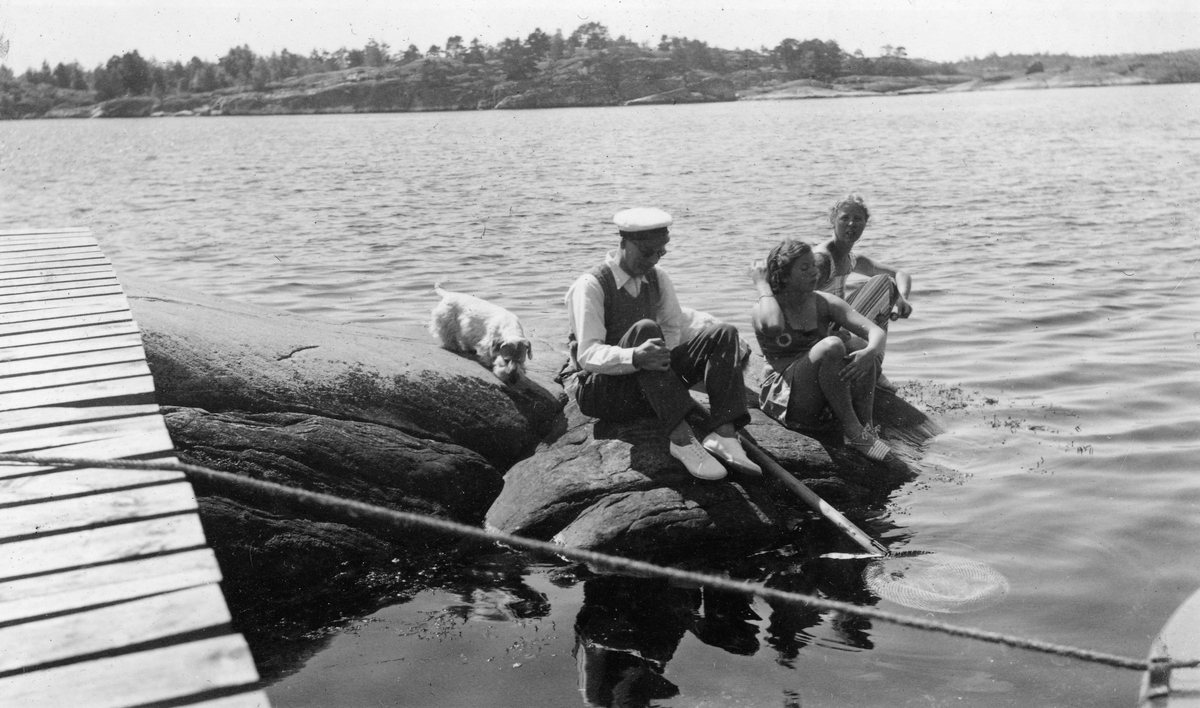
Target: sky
<point>91,31</point>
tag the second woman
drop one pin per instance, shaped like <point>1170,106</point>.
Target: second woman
<point>810,371</point>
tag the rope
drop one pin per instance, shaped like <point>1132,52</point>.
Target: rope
<point>389,518</point>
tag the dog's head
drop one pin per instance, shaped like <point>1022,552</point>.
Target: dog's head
<point>508,358</point>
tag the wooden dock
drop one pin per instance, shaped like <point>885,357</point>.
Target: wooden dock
<point>109,595</point>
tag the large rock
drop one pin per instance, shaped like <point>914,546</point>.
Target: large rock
<point>616,488</point>
<point>350,459</point>
<point>219,355</point>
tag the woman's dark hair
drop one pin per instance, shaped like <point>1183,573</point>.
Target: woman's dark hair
<point>779,262</point>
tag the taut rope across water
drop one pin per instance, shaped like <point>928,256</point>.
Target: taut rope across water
<point>388,518</point>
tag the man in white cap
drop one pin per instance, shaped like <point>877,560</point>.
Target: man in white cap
<point>629,362</point>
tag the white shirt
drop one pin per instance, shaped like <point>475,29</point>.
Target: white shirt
<point>585,313</point>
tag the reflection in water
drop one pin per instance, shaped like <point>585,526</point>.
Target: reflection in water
<point>625,633</point>
<point>840,580</point>
<point>629,628</point>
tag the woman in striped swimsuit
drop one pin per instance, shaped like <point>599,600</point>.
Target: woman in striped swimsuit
<point>809,369</point>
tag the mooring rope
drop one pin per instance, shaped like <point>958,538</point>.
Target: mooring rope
<point>361,512</point>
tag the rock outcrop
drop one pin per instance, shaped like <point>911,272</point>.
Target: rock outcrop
<point>615,488</point>
<point>394,420</point>
<point>220,356</point>
<point>351,459</point>
<point>387,418</point>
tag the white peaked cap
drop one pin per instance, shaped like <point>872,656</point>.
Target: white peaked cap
<point>641,219</point>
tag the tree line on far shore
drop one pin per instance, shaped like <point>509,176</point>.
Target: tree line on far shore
<point>517,59</point>
<point>130,74</point>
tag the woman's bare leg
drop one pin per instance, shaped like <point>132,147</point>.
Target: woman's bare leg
<point>862,393</point>
<point>816,380</point>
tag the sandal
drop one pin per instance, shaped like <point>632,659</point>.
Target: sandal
<point>869,445</point>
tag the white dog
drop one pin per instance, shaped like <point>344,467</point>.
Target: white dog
<point>490,333</point>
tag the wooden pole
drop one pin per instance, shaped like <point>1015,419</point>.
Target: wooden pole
<point>810,497</point>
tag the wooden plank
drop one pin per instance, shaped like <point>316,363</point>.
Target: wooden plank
<point>99,299</point>
<point>71,346</point>
<point>75,360</point>
<point>74,589</point>
<point>135,679</point>
<point>26,311</point>
<point>19,246</point>
<point>46,235</point>
<point>17,286</point>
<point>32,293</point>
<point>41,273</point>
<point>9,286</point>
<point>70,333</point>
<point>53,254</point>
<point>19,268</point>
<point>103,372</point>
<point>54,267</point>
<point>61,435</point>
<point>82,596</point>
<point>150,444</point>
<point>107,508</point>
<point>65,241</point>
<point>41,417</point>
<point>19,486</point>
<point>17,233</point>
<point>102,545</point>
<point>112,627</point>
<point>54,323</point>
<point>77,393</point>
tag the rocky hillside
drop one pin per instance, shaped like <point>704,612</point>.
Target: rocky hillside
<point>610,77</point>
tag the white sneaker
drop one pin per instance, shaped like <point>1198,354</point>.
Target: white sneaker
<point>698,462</point>
<point>731,452</point>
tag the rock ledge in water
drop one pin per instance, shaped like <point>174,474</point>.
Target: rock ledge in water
<point>220,356</point>
<point>615,488</point>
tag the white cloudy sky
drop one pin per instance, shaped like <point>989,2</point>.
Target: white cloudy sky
<point>90,31</point>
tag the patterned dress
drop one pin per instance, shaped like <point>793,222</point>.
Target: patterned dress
<point>781,352</point>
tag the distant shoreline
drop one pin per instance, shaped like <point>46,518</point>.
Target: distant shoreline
<point>618,76</point>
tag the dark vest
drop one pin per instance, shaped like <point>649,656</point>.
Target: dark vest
<point>621,310</point>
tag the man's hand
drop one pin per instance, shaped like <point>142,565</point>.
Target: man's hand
<point>652,355</point>
<point>902,309</point>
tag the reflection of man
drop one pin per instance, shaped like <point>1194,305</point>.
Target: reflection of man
<point>629,628</point>
<point>626,327</point>
<point>626,632</point>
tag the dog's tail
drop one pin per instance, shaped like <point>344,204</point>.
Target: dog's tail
<point>437,288</point>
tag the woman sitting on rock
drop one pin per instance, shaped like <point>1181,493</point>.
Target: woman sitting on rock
<point>809,370</point>
<point>882,298</point>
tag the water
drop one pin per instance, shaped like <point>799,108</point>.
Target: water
<point>1052,238</point>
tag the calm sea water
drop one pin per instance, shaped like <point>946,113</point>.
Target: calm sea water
<point>1052,237</point>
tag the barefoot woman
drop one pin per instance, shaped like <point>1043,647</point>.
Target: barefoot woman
<point>808,368</point>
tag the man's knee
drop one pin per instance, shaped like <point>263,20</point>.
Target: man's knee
<point>720,337</point>
<point>641,331</point>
